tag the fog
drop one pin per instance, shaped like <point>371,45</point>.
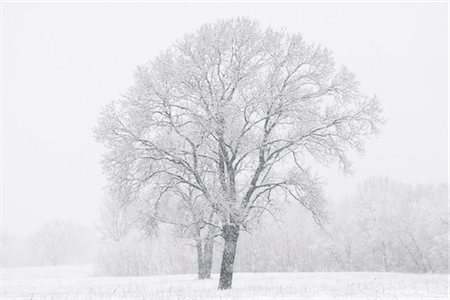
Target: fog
<point>61,63</point>
<point>273,150</point>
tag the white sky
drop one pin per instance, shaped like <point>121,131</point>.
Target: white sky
<point>63,62</point>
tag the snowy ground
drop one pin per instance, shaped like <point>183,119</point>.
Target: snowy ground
<point>71,282</point>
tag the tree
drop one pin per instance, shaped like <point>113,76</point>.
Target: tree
<point>238,114</point>
<point>405,226</point>
<point>116,220</point>
<point>194,219</point>
<point>56,241</point>
<point>172,206</point>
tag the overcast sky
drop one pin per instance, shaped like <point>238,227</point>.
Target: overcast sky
<point>63,62</point>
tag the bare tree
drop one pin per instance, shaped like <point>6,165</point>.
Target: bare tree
<point>55,241</point>
<point>238,114</point>
<point>406,224</point>
<point>174,206</point>
<point>116,219</point>
<point>194,219</point>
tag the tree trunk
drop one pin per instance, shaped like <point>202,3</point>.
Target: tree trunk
<point>208,256</point>
<point>230,234</point>
<point>204,257</point>
<point>384,257</point>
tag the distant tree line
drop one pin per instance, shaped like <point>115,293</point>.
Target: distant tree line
<point>384,225</point>
<point>56,242</point>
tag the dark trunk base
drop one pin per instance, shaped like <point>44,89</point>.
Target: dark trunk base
<point>230,234</point>
<point>204,273</point>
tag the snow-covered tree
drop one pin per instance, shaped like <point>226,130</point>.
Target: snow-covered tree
<point>405,227</point>
<point>116,219</point>
<point>383,226</point>
<point>193,219</point>
<point>238,115</point>
<point>173,206</point>
<point>55,242</point>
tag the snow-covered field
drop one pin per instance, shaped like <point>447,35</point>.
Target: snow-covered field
<point>74,282</point>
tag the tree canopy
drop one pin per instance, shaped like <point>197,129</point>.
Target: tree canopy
<point>237,116</point>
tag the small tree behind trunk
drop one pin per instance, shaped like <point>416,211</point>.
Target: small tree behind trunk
<point>204,257</point>
<point>230,233</point>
